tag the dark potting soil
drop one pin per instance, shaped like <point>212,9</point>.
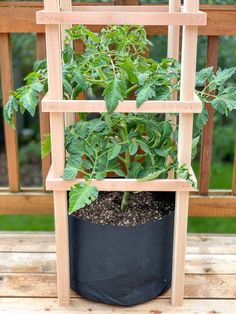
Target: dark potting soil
<point>141,208</point>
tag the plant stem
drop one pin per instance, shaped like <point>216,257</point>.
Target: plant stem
<point>124,200</point>
<point>127,164</point>
<point>129,90</point>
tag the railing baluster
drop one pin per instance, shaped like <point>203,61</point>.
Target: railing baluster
<point>234,172</point>
<point>10,134</point>
<point>43,116</point>
<point>206,145</point>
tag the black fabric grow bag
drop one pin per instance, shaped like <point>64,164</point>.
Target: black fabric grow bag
<point>120,265</point>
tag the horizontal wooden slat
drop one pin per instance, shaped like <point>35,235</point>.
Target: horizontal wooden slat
<point>27,242</point>
<point>119,8</point>
<point>213,206</point>
<point>116,184</point>
<point>211,244</point>
<point>46,263</point>
<point>125,106</point>
<point>44,285</point>
<point>28,262</point>
<point>39,203</point>
<point>112,15</point>
<point>210,264</point>
<point>79,306</point>
<point>20,17</point>
<point>16,203</point>
<point>45,242</point>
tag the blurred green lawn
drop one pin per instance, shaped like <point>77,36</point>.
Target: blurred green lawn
<point>221,179</point>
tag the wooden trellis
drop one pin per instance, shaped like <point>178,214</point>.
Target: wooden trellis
<point>59,15</point>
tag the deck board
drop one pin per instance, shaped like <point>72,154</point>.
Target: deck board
<point>28,278</point>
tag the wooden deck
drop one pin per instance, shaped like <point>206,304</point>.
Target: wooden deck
<point>28,278</point>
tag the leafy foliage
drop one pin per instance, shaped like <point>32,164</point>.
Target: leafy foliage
<point>46,145</point>
<point>97,148</point>
<point>214,90</point>
<point>80,195</point>
<point>132,145</point>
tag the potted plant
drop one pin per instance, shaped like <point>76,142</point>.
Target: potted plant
<point>120,244</point>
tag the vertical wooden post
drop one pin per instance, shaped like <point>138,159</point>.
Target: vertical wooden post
<point>188,68</point>
<point>11,142</point>
<point>43,116</point>
<point>53,42</point>
<point>207,133</point>
<point>66,5</point>
<point>173,52</point>
<point>173,32</point>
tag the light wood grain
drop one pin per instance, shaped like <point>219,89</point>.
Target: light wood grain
<point>173,32</point>
<point>116,184</point>
<point>66,5</point>
<point>79,306</point>
<point>187,87</point>
<point>11,142</point>
<point>28,262</point>
<point>18,17</point>
<point>153,106</point>
<point>23,262</point>
<point>173,44</point>
<point>45,285</point>
<point>27,242</point>
<point>43,116</point>
<point>54,63</point>
<point>218,244</point>
<point>111,15</point>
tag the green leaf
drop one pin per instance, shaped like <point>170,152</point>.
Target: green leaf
<point>225,101</point>
<point>46,146</point>
<point>223,75</point>
<point>114,92</point>
<point>183,173</point>
<point>37,86</point>
<point>133,147</point>
<point>9,109</point>
<point>144,93</point>
<point>154,175</point>
<point>67,53</point>
<point>142,77</point>
<point>79,80</point>
<point>67,87</point>
<point>195,141</point>
<point>143,146</point>
<point>92,35</point>
<point>40,65</point>
<point>202,118</point>
<point>118,172</point>
<point>114,151</point>
<point>203,75</point>
<point>29,101</point>
<point>135,169</point>
<point>129,67</point>
<point>72,166</point>
<point>81,194</point>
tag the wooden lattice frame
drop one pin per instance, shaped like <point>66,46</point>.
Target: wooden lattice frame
<point>59,16</point>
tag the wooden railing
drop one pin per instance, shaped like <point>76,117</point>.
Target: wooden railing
<point>20,17</point>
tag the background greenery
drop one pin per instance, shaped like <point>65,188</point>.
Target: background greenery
<point>24,54</point>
